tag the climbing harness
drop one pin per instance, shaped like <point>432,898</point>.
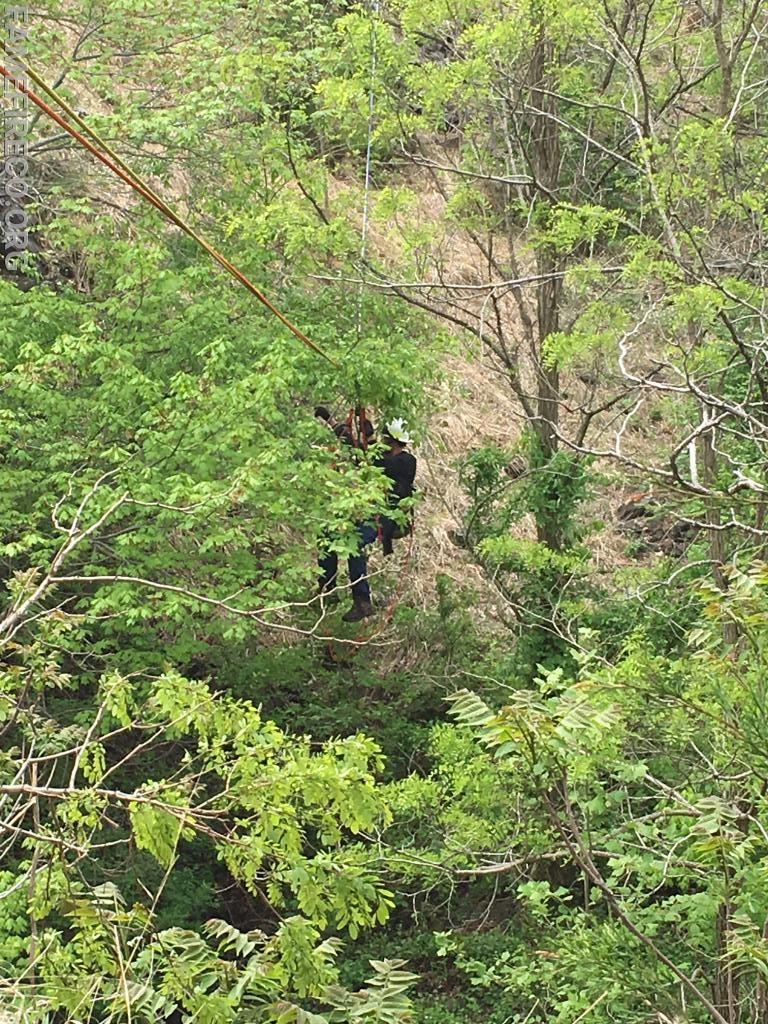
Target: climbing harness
<point>357,419</point>
<point>102,151</point>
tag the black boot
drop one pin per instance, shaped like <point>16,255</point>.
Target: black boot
<point>361,609</point>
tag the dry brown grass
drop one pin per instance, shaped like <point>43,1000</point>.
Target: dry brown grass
<point>473,408</point>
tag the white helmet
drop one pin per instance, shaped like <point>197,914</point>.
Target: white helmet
<point>396,429</point>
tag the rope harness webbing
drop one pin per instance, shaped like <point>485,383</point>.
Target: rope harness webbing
<point>121,169</point>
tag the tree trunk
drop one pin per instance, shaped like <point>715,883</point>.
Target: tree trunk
<point>545,164</point>
<point>716,535</point>
<point>726,983</point>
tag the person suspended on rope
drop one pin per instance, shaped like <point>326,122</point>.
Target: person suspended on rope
<point>356,432</point>
<point>400,467</point>
<point>357,566</point>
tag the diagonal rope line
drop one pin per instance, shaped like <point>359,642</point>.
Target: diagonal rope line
<point>118,166</point>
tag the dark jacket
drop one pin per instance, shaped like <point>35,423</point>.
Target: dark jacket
<point>400,467</point>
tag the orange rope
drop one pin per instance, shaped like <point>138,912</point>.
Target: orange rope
<point>135,183</point>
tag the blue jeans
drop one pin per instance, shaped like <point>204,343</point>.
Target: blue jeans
<point>356,564</point>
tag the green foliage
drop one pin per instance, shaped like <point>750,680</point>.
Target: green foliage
<point>222,974</point>
<point>551,486</point>
<point>14,922</point>
<point>278,811</point>
<point>578,966</point>
<point>544,585</point>
<point>654,733</point>
<point>194,812</point>
<point>156,830</point>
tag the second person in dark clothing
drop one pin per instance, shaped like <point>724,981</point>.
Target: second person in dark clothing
<point>400,467</point>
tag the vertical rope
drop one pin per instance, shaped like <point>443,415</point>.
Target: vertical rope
<point>368,161</point>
